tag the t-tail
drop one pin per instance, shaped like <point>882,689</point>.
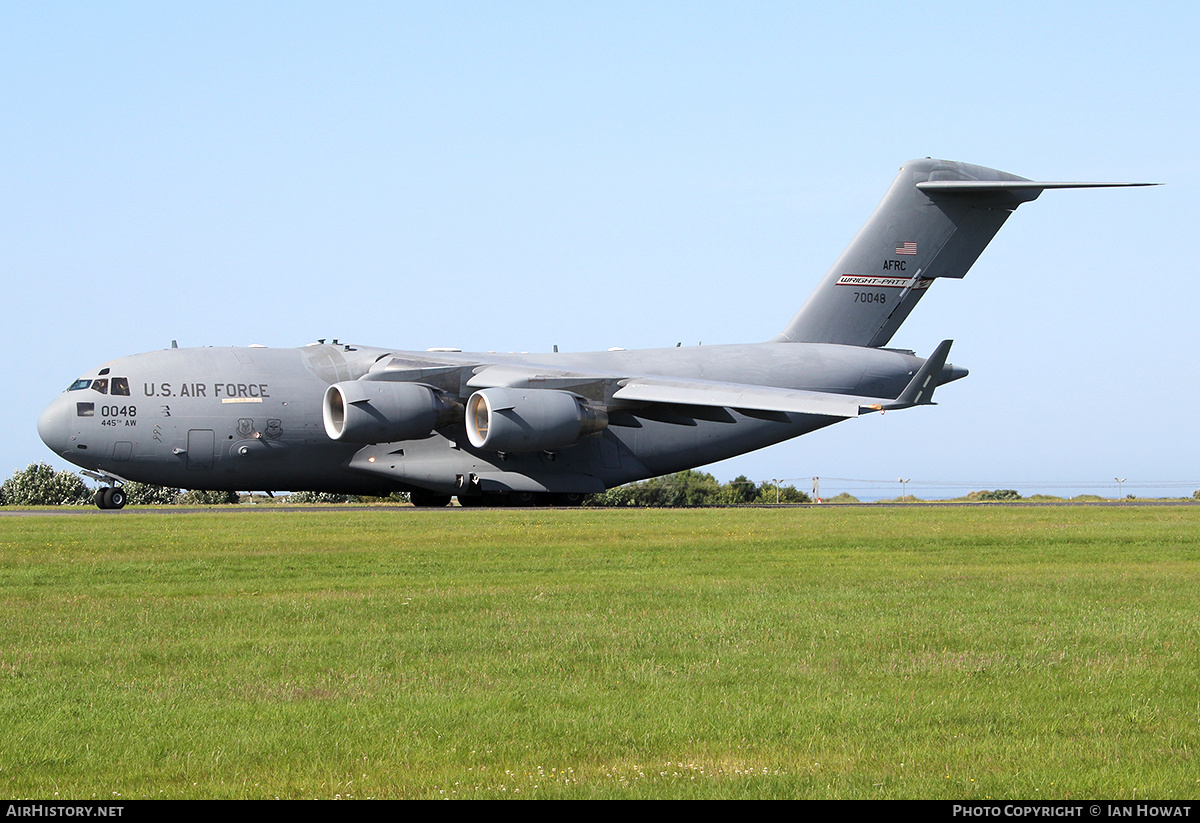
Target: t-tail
<point>934,221</point>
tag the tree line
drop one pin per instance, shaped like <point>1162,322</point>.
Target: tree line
<point>41,485</point>
<point>694,488</point>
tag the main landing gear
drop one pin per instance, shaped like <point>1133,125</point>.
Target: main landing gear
<point>429,500</point>
<point>494,499</point>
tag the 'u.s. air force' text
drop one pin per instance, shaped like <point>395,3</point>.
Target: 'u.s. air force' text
<point>219,390</point>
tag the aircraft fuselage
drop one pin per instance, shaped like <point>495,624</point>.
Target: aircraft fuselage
<point>251,418</point>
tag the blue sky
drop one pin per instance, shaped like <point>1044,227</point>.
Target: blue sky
<point>514,176</point>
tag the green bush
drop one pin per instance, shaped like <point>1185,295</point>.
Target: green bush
<point>691,489</point>
<point>317,497</point>
<point>40,485</point>
<point>203,497</point>
<point>786,494</point>
<point>331,497</point>
<point>686,488</point>
<point>146,494</point>
<point>741,491</point>
<point>998,494</point>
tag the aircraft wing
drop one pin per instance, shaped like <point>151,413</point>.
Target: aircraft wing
<point>676,390</point>
<point>516,375</point>
<point>739,396</point>
<point>918,392</point>
<point>688,391</point>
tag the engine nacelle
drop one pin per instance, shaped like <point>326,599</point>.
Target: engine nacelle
<point>378,411</point>
<point>525,420</point>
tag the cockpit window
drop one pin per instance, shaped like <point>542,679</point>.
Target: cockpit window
<point>119,385</point>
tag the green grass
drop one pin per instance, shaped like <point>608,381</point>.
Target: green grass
<point>1025,652</point>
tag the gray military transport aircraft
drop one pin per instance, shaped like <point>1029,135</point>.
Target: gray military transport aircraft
<point>494,429</point>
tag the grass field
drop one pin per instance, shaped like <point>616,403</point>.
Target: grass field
<point>1024,652</point>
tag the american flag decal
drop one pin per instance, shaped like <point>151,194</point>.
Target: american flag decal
<point>909,247</point>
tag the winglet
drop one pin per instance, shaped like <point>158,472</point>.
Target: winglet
<point>919,391</point>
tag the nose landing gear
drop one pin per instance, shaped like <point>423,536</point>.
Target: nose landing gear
<point>110,497</point>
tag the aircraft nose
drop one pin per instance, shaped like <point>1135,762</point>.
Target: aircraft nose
<point>54,425</point>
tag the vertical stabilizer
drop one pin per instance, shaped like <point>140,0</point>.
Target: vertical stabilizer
<point>917,234</point>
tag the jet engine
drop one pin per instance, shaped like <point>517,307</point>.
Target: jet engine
<point>370,411</point>
<point>525,420</point>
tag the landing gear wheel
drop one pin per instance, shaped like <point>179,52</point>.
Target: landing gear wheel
<point>568,499</point>
<point>110,498</point>
<point>427,500</point>
<point>524,498</point>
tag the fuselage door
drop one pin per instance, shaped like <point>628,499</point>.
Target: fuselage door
<point>201,446</point>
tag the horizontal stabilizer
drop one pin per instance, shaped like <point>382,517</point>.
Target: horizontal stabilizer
<point>934,186</point>
<point>1005,193</point>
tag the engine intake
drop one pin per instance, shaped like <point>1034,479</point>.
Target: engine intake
<point>525,420</point>
<point>371,411</point>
